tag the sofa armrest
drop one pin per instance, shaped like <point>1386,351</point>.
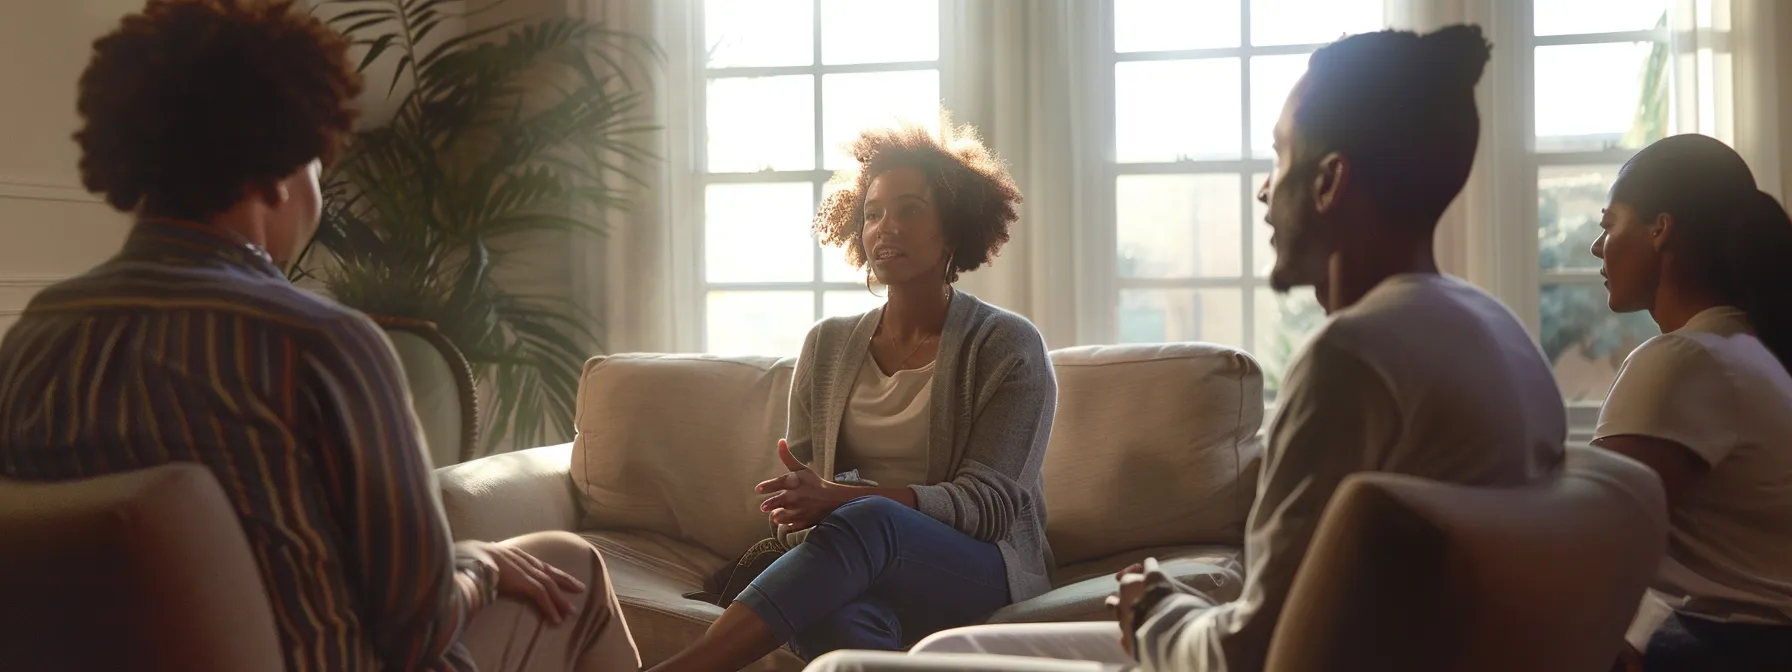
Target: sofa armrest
<point>510,494</point>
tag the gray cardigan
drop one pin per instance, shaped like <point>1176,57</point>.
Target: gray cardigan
<point>994,393</point>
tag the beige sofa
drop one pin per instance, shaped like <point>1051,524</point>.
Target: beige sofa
<point>1152,453</point>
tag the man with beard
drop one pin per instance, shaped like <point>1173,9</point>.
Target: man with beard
<point>1414,372</point>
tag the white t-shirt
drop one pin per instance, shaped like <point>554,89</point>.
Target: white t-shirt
<point>884,431</point>
<point>1713,387</point>
<point>1425,375</point>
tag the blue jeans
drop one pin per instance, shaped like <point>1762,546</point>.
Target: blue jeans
<point>877,575</point>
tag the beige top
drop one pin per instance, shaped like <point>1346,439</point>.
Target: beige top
<point>884,431</point>
<point>1466,399</point>
<point>1713,387</point>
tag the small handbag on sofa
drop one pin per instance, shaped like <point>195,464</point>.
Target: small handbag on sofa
<point>728,581</point>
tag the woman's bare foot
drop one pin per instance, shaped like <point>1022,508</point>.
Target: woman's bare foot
<point>734,641</point>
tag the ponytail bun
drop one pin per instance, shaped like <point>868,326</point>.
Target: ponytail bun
<point>1456,55</point>
<point>1757,267</point>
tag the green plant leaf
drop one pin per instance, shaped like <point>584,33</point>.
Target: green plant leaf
<point>404,65</point>
<point>353,30</point>
<point>378,46</point>
<point>512,131</point>
<point>378,16</point>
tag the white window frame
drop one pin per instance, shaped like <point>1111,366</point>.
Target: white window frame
<point>1098,312</point>
<point>1513,254</point>
<point>689,237</point>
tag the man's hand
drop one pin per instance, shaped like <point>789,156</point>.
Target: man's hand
<point>802,498</point>
<point>1135,582</point>
<point>528,578</point>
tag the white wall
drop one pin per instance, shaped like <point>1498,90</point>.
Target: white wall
<point>50,228</point>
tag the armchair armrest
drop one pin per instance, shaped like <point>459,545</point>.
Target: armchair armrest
<point>511,494</point>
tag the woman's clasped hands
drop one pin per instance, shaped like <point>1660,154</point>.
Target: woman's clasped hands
<point>801,498</point>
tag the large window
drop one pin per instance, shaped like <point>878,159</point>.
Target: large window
<point>787,82</point>
<point>1170,118</point>
<point>1601,82</point>
<point>1197,89</point>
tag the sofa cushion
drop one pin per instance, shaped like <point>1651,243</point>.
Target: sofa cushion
<point>1148,447</point>
<point>651,574</point>
<point>673,444</point>
<point>1215,570</point>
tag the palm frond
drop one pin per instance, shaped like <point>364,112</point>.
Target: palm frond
<point>501,132</point>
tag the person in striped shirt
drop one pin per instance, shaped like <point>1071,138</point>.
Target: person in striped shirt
<point>209,121</point>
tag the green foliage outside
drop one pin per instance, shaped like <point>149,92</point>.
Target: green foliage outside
<point>1575,316</point>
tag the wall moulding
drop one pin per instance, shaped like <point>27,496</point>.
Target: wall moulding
<point>29,281</point>
<point>27,189</point>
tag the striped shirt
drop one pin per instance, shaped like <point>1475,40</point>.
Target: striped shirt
<point>191,346</point>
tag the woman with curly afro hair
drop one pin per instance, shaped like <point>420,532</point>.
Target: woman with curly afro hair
<point>209,121</point>
<point>917,430</point>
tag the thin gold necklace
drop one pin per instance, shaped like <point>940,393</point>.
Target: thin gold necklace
<point>918,344</point>
<point>893,341</point>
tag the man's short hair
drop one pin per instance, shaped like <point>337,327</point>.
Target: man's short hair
<point>189,99</point>
<point>1401,107</point>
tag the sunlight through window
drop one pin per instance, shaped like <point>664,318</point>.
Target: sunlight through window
<point>788,83</point>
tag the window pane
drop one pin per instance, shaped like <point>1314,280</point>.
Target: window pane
<point>1177,110</point>
<point>1178,226</point>
<point>1600,96</point>
<point>1162,25</point>
<point>833,259</point>
<point>851,103</point>
<point>879,31</point>
<point>1586,341</point>
<point>758,323</point>
<point>1263,255</point>
<point>1284,323</point>
<point>1311,21</point>
<point>835,269</point>
<point>1272,77</point>
<point>760,33</point>
<point>761,123</point>
<point>850,302</point>
<point>1568,17</point>
<point>1569,200</point>
<point>1165,315</point>
<point>757,233</point>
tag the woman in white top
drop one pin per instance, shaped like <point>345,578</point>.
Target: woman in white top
<point>932,414</point>
<point>1708,403</point>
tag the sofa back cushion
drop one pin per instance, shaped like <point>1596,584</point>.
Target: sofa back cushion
<point>1152,445</point>
<point>673,444</point>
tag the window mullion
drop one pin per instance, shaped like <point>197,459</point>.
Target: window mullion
<point>1248,306</point>
<point>1097,293</point>
<point>820,155</point>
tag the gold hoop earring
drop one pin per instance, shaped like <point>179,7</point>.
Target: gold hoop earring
<point>868,289</point>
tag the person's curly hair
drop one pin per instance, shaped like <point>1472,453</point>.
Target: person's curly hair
<point>972,190</point>
<point>190,99</point>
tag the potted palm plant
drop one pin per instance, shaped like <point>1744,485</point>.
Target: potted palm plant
<point>502,134</point>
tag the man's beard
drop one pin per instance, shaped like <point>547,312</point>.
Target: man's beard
<point>1295,243</point>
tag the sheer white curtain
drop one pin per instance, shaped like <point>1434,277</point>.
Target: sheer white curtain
<point>1020,72</point>
<point>632,278</point>
<point>1728,52</point>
